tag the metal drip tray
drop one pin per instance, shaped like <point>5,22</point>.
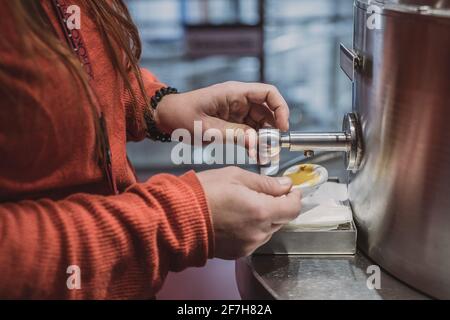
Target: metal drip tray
<point>341,241</point>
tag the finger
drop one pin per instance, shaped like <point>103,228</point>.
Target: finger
<point>252,123</point>
<point>267,185</point>
<point>222,125</point>
<point>251,143</point>
<point>261,115</point>
<point>263,93</point>
<point>284,209</point>
<point>238,133</point>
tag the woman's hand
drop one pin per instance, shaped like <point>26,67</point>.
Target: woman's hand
<point>247,208</point>
<point>230,105</point>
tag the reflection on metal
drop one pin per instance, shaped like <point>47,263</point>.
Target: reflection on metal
<point>349,62</point>
<point>305,277</point>
<point>340,241</point>
<point>400,196</point>
<point>435,8</point>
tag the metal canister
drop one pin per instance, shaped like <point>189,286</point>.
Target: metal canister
<point>401,194</point>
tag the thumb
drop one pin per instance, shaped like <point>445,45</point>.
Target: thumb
<point>276,187</point>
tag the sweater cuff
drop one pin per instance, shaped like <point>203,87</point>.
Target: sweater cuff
<point>135,122</point>
<point>192,179</point>
<point>187,230</point>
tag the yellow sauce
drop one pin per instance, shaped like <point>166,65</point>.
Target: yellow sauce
<point>305,173</point>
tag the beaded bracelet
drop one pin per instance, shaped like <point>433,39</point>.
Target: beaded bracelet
<point>152,131</point>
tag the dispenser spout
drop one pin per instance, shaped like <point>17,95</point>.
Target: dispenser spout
<point>348,141</point>
<point>300,141</point>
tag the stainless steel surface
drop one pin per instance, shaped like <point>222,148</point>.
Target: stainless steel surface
<point>400,197</point>
<point>301,141</point>
<point>349,141</point>
<point>349,61</point>
<point>352,127</point>
<point>316,277</point>
<point>435,8</point>
<point>330,242</point>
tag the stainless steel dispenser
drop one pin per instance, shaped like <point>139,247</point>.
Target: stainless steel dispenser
<point>400,195</point>
<point>400,185</point>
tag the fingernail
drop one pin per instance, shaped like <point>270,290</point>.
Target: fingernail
<point>285,181</point>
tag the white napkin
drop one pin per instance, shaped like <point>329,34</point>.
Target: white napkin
<point>323,210</point>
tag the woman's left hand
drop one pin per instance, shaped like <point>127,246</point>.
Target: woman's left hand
<point>229,105</point>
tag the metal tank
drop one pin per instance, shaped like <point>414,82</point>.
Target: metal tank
<point>397,140</point>
<point>401,193</point>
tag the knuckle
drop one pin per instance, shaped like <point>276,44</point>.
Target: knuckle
<point>234,171</point>
<point>272,88</point>
<point>230,83</point>
<point>258,212</point>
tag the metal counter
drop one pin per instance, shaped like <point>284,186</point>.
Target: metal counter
<point>293,277</point>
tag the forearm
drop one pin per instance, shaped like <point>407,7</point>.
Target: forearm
<point>124,245</point>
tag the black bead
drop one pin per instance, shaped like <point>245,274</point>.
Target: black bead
<point>152,131</point>
<point>153,102</point>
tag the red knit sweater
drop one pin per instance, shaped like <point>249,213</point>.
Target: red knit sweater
<point>55,210</point>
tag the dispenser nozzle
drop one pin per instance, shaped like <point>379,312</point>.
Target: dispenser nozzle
<point>348,141</point>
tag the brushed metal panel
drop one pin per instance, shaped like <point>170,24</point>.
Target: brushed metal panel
<point>401,195</point>
<point>333,242</point>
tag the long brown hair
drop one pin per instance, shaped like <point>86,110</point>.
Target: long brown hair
<point>119,33</point>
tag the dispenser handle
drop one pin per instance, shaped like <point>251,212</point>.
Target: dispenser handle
<point>349,61</point>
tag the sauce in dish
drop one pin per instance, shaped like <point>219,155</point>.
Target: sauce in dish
<point>305,173</point>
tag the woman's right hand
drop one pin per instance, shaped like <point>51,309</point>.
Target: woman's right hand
<point>247,208</point>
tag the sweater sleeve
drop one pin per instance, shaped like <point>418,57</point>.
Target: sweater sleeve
<point>124,245</point>
<point>136,127</point>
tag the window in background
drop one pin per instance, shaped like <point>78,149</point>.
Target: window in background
<point>301,50</point>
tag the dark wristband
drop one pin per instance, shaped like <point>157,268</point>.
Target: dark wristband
<point>153,132</point>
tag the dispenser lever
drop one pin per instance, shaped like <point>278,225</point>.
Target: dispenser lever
<point>349,61</point>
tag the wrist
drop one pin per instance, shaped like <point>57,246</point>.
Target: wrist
<point>161,113</point>
<point>154,123</point>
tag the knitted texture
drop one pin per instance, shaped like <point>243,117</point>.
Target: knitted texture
<point>55,206</point>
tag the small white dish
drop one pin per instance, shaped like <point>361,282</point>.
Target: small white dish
<point>314,176</point>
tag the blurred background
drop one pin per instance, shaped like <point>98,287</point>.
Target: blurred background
<point>292,44</point>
